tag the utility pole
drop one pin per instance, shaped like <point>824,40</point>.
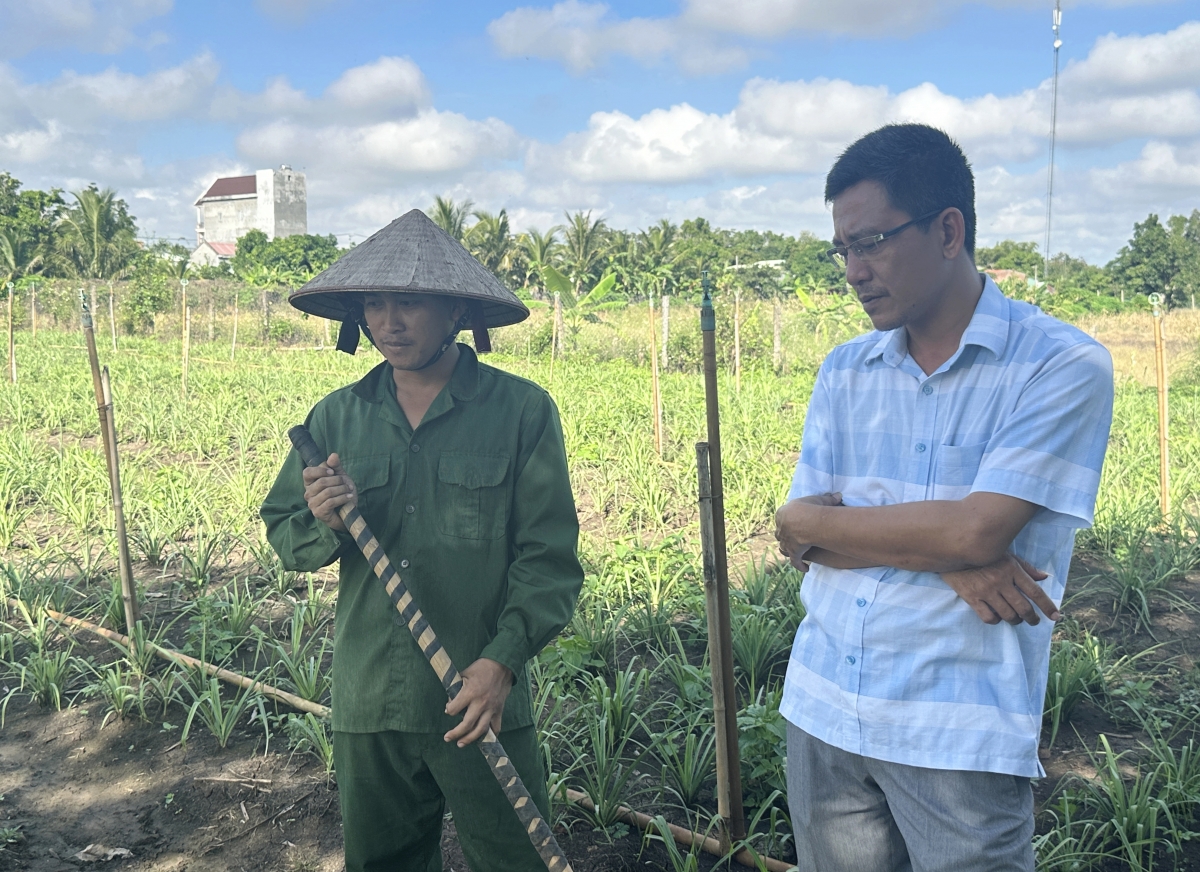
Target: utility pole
<point>1053,134</point>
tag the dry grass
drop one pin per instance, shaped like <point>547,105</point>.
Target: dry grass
<point>1130,340</point>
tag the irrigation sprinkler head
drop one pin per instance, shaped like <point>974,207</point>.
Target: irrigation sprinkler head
<point>86,317</point>
<point>1156,301</point>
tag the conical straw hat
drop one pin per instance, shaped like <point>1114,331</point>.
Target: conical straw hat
<point>411,255</point>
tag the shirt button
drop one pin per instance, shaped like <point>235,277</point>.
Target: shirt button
<point>404,564</point>
<point>920,447</point>
<point>416,447</point>
<point>851,659</point>
<point>410,509</point>
<point>927,390</point>
<point>861,602</point>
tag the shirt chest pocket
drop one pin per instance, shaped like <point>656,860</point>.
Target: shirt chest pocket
<point>370,476</point>
<point>955,470</point>
<point>472,495</point>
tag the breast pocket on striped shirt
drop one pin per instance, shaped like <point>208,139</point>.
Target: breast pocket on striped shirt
<point>955,470</point>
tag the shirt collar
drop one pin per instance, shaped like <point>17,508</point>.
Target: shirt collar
<point>988,328</point>
<point>464,381</point>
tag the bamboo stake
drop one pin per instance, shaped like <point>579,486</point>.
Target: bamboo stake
<point>712,610</point>
<point>124,565</point>
<point>212,327</point>
<point>112,318</point>
<point>655,398</point>
<point>33,308</point>
<point>777,355</point>
<point>89,336</point>
<point>183,307</point>
<point>233,342</point>
<point>184,660</point>
<point>684,836</point>
<point>666,328</point>
<point>708,327</point>
<point>1160,372</point>
<point>266,318</point>
<point>559,343</point>
<point>12,344</point>
<point>326,342</point>
<point>737,340</point>
<point>187,344</point>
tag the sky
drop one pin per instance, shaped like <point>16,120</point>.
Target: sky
<point>733,111</point>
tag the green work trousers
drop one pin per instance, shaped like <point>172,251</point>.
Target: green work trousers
<point>394,787</point>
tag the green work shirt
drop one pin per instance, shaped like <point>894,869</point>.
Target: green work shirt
<point>474,510</point>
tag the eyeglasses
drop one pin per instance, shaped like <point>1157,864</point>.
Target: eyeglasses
<point>868,246</point>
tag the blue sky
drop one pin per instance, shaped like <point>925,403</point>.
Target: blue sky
<point>636,111</point>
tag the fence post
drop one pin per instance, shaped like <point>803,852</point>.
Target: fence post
<point>1160,372</point>
<point>777,355</point>
<point>666,328</point>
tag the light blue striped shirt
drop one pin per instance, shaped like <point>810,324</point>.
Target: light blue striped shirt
<point>890,663</point>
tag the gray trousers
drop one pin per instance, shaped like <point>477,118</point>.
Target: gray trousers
<point>857,814</point>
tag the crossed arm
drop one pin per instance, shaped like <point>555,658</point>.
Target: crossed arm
<point>966,541</point>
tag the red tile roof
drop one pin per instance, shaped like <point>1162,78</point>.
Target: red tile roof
<point>224,249</point>
<point>234,186</point>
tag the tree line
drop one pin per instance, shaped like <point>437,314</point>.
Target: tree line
<point>90,235</point>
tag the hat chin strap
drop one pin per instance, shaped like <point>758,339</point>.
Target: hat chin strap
<point>348,335</point>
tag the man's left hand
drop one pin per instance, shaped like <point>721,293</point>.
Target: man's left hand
<point>486,685</point>
<point>792,529</point>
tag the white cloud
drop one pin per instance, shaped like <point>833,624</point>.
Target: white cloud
<point>713,35</point>
<point>429,142</point>
<point>578,35</point>
<point>105,26</point>
<point>1136,64</point>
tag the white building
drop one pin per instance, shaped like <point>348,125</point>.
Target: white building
<point>273,201</point>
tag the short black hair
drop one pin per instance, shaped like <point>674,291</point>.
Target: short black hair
<point>921,168</point>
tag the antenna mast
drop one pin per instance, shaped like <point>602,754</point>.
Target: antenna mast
<point>1053,132</point>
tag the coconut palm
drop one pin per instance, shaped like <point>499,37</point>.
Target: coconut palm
<point>584,246</point>
<point>451,216</point>
<point>538,250</point>
<point>20,256</point>
<point>97,235</point>
<point>490,241</point>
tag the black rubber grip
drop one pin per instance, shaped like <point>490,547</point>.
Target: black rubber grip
<point>308,449</point>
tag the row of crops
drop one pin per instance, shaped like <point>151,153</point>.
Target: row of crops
<point>624,694</point>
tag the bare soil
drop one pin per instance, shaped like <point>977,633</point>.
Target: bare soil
<point>68,780</point>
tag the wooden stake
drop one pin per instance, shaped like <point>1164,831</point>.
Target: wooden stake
<point>1160,372</point>
<point>233,342</point>
<point>192,663</point>
<point>712,611</point>
<point>325,344</point>
<point>124,566</point>
<point>777,355</point>
<point>33,308</point>
<point>655,399</point>
<point>183,306</point>
<point>112,318</point>
<point>560,344</point>
<point>708,328</point>
<point>12,344</point>
<point>89,336</point>
<point>187,344</point>
<point>212,327</point>
<point>666,330</point>
<point>266,318</point>
<point>737,339</point>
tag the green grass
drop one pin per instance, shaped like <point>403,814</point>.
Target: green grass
<point>624,695</point>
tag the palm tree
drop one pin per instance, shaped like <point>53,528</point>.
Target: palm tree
<point>491,242</point>
<point>451,216</point>
<point>539,250</point>
<point>584,244</point>
<point>658,252</point>
<point>20,256</point>
<point>97,239</point>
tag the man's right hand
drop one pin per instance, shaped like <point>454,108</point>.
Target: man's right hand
<point>326,489</point>
<point>1006,590</point>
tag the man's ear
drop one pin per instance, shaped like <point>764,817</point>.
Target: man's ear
<point>458,308</point>
<point>953,230</point>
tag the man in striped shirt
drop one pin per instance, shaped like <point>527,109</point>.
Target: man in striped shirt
<point>948,458</point>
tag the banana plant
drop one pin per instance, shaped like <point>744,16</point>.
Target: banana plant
<point>583,307</point>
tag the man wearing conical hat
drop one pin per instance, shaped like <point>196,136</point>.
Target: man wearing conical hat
<point>460,470</point>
